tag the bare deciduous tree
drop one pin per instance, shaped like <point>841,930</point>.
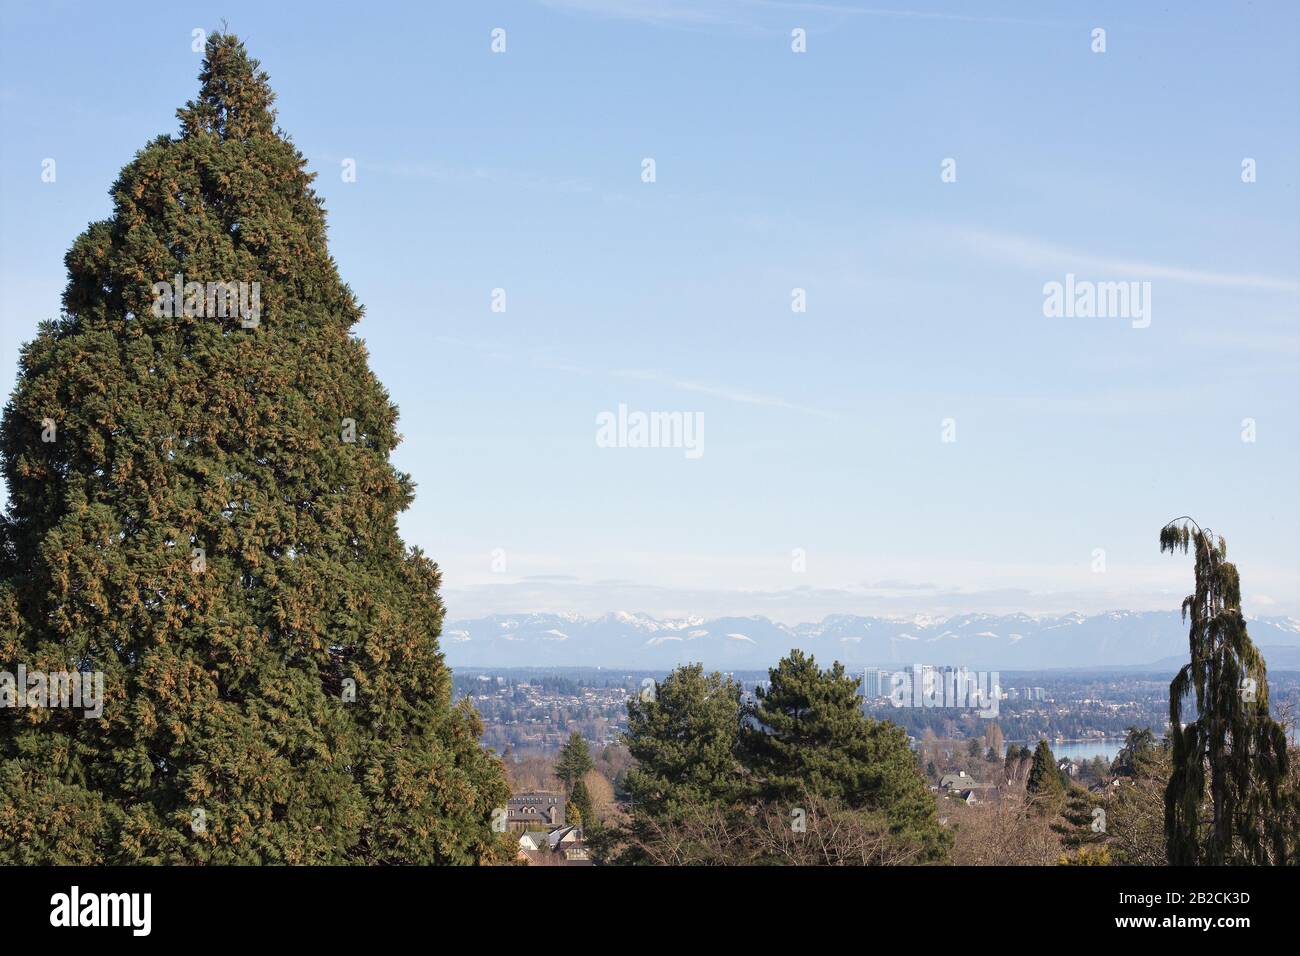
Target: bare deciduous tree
<point>1005,831</point>
<point>816,832</point>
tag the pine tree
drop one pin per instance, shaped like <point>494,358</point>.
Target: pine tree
<point>574,761</point>
<point>1079,827</point>
<point>682,736</point>
<point>1044,785</point>
<point>1138,751</point>
<point>806,733</point>
<point>580,800</point>
<point>1232,738</point>
<point>203,509</point>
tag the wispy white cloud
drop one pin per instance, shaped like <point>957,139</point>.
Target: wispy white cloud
<point>1038,253</point>
<point>680,583</point>
<point>724,392</point>
<point>477,598</point>
<point>658,12</point>
<point>456,175</point>
<point>742,13</point>
<point>836,8</point>
<point>1269,344</point>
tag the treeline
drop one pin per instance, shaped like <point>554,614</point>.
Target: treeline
<point>468,685</point>
<point>1017,725</point>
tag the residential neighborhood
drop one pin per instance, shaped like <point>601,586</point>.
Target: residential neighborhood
<point>544,838</point>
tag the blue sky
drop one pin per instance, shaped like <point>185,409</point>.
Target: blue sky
<point>774,170</point>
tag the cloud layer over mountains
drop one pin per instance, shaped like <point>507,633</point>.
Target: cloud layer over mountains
<point>1008,642</point>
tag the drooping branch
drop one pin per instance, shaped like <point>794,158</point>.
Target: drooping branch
<point>1232,741</point>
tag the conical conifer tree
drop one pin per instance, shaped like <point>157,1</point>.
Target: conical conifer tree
<point>202,508</point>
<point>574,760</point>
<point>686,773</point>
<point>1232,741</point>
<point>1044,783</point>
<point>806,733</point>
<point>683,738</point>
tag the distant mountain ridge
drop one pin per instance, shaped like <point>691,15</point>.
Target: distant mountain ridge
<point>979,641</point>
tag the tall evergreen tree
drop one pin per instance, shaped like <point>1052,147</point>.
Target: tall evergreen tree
<point>683,739</point>
<point>1044,784</point>
<point>1232,740</point>
<point>202,507</point>
<point>1138,751</point>
<point>1078,825</point>
<point>574,761</point>
<point>580,800</point>
<point>806,733</point>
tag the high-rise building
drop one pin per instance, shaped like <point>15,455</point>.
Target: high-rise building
<point>927,679</point>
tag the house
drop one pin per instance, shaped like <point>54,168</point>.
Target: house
<point>567,843</point>
<point>961,781</point>
<point>562,846</point>
<point>533,840</point>
<point>565,838</point>
<point>536,810</point>
<point>954,781</point>
<point>967,797</point>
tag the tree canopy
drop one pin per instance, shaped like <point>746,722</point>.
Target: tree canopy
<point>712,767</point>
<point>202,508</point>
<point>1044,783</point>
<point>1232,752</point>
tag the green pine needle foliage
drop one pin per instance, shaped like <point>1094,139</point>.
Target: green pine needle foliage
<point>710,767</point>
<point>202,531</point>
<point>1232,757</point>
<point>806,732</point>
<point>1044,783</point>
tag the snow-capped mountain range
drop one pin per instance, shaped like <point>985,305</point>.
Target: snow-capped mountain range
<point>986,641</point>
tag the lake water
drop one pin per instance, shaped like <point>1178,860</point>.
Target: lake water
<point>1083,750</point>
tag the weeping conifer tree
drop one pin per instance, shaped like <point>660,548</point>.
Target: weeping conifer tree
<point>1232,740</point>
<point>202,508</point>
